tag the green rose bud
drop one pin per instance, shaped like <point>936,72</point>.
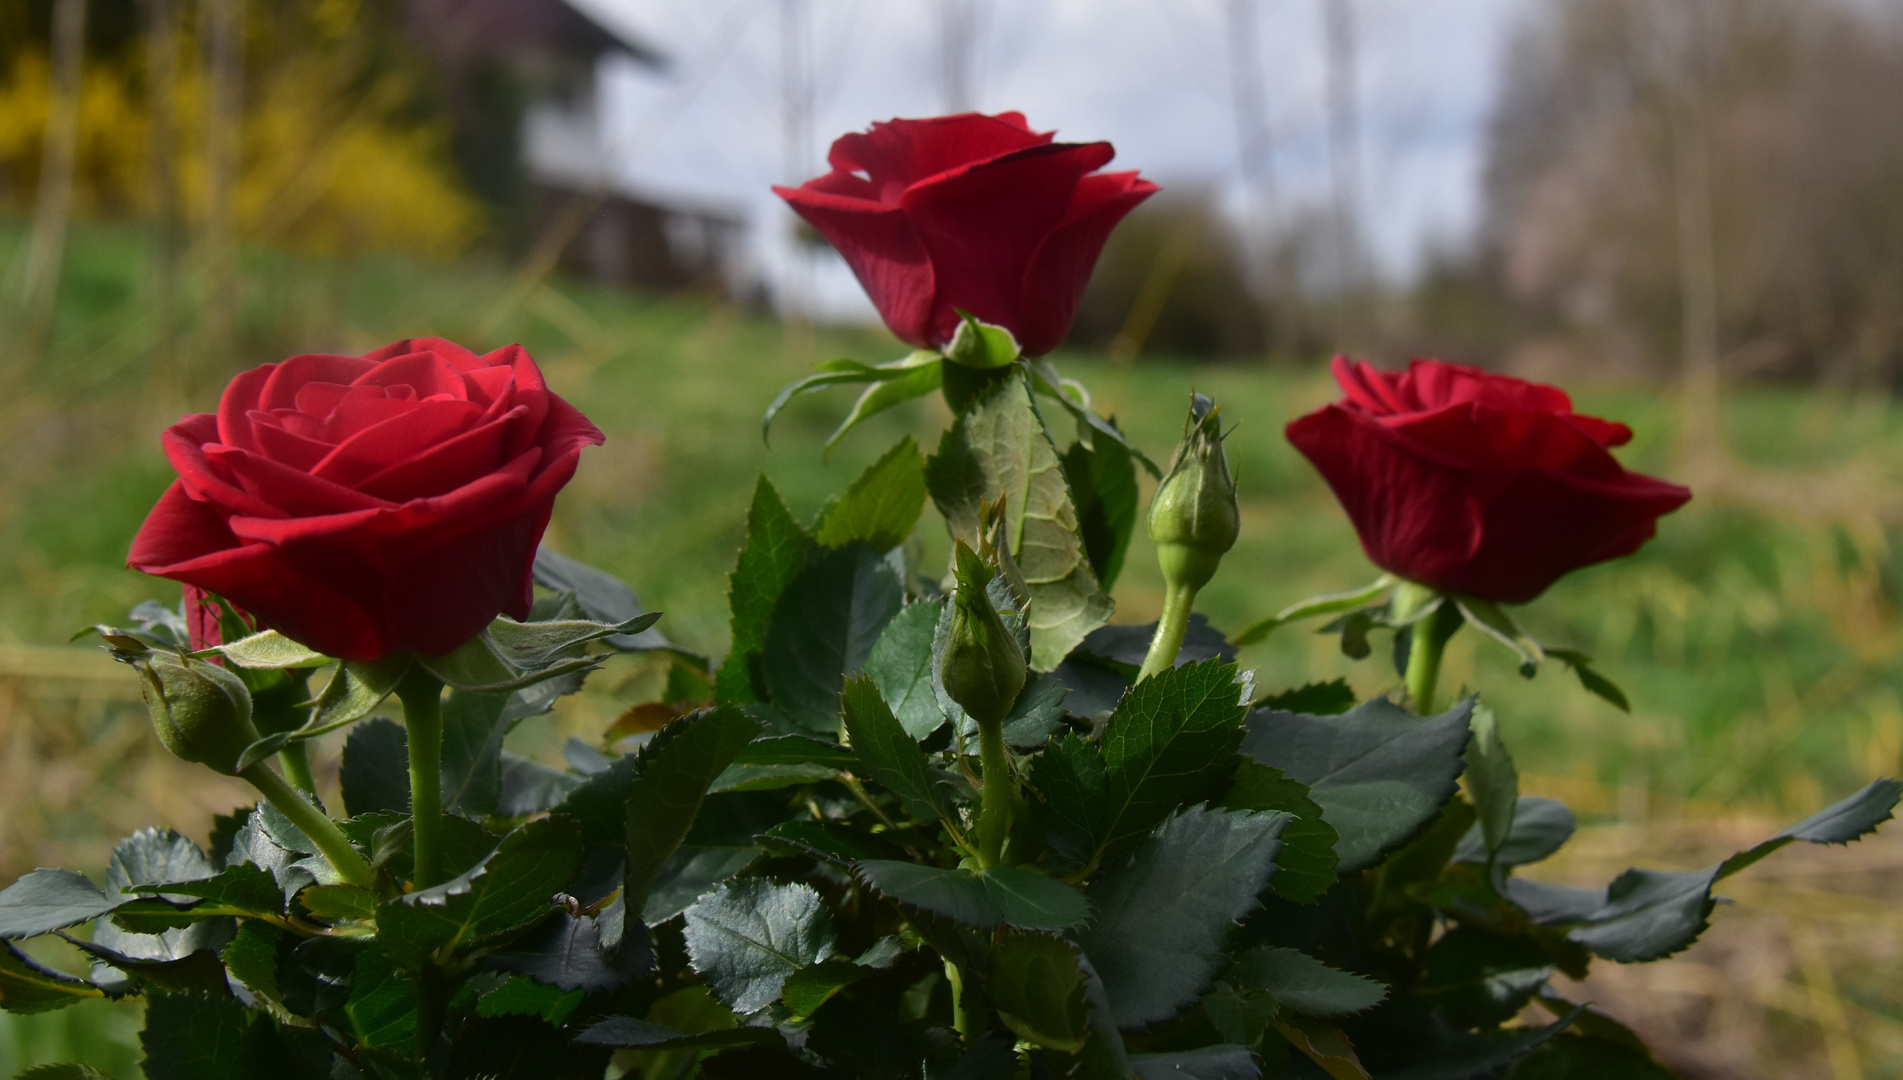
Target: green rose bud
<point>984,667</point>
<point>202,712</point>
<point>1194,518</point>
<point>981,345</point>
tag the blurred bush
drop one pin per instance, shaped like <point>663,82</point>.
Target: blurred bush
<point>341,149</point>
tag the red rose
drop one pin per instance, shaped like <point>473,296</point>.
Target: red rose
<point>365,505</point>
<point>969,212</point>
<point>1475,483</point>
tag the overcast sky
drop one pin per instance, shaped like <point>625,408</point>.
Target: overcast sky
<point>1151,76</point>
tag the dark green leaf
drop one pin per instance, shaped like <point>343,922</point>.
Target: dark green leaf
<point>825,841</point>
<point>1305,867</point>
<point>690,873</point>
<point>776,549</point>
<point>1126,647</point>
<point>383,1004</point>
<point>997,896</point>
<point>1325,1045</point>
<point>568,953</point>
<point>1103,485</point>
<point>1075,400</point>
<point>810,987</point>
<point>48,900</point>
<point>1855,817</point>
<point>1331,698</point>
<point>1000,450</point>
<point>600,595</point>
<point>901,664</point>
<point>769,777</point>
<point>1304,984</point>
<point>527,997</point>
<point>1492,780</point>
<point>355,690</point>
<point>1380,773</point>
<point>749,936</point>
<point>1461,1056</point>
<point>1164,915</point>
<point>626,1031</point>
<point>511,887</point>
<point>339,902</point>
<point>892,756</point>
<point>26,986</point>
<point>1590,678</point>
<point>1540,827</point>
<point>376,769</point>
<point>1172,741</point>
<point>1072,798</point>
<point>881,506</point>
<point>824,628</point>
<point>1039,990</point>
<point>795,750</point>
<point>69,1070</point>
<point>1208,1063</point>
<point>473,729</point>
<point>1576,1057</point>
<point>252,957</point>
<point>193,1038</point>
<point>1481,980</point>
<point>495,661</point>
<point>156,857</point>
<point>530,787</point>
<point>671,776</point>
<point>1038,714</point>
<point>236,890</point>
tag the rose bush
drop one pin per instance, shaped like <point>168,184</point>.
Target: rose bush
<point>1478,484</point>
<point>970,212</point>
<point>363,505</point>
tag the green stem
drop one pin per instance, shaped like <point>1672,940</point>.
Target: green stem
<point>422,697</point>
<point>961,1022</point>
<point>296,764</point>
<point>1178,602</point>
<point>1430,637</point>
<point>994,820</point>
<point>313,823</point>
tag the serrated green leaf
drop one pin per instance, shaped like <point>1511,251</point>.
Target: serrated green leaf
<point>509,888</point>
<point>999,449</point>
<point>1207,1063</point>
<point>1172,740</point>
<point>1164,914</point>
<point>243,889</point>
<point>68,1070</point>
<point>1071,797</point>
<point>810,987</point>
<point>671,776</point>
<point>375,775</point>
<point>1590,677</point>
<point>891,755</point>
<point>1331,698</point>
<point>823,629</point>
<point>354,691</point>
<point>1075,400</point>
<point>691,873</point>
<point>825,841</point>
<point>383,1004</point>
<point>901,664</point>
<point>156,856</point>
<point>1305,867</point>
<point>1039,990</point>
<point>1305,985</point>
<point>747,937</point>
<point>187,1037</point>
<point>602,597</point>
<point>1540,827</point>
<point>1380,773</point>
<point>1477,979</point>
<point>794,750</point>
<point>526,997</point>
<point>48,900</point>
<point>483,665</point>
<point>26,986</point>
<point>881,506</point>
<point>775,552</point>
<point>336,902</point>
<point>532,646</point>
<point>995,896</point>
<point>473,730</point>
<point>1492,780</point>
<point>252,957</point>
<point>627,1032</point>
<point>1103,486</point>
<point>1576,1057</point>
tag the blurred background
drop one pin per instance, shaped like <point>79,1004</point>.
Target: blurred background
<point>1688,212</point>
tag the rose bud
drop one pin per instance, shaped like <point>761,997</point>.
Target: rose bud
<point>1193,517</point>
<point>984,667</point>
<point>201,711</point>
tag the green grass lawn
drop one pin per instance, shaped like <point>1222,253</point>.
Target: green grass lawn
<point>1760,651</point>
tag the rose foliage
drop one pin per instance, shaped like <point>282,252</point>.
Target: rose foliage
<point>922,821</point>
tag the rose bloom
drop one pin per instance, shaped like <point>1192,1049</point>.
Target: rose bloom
<point>970,212</point>
<point>1476,483</point>
<point>366,505</point>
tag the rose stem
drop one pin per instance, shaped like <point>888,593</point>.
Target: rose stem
<point>422,697</point>
<point>313,823</point>
<point>1178,601</point>
<point>994,821</point>
<point>296,763</point>
<point>961,1022</point>
<point>1430,636</point>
